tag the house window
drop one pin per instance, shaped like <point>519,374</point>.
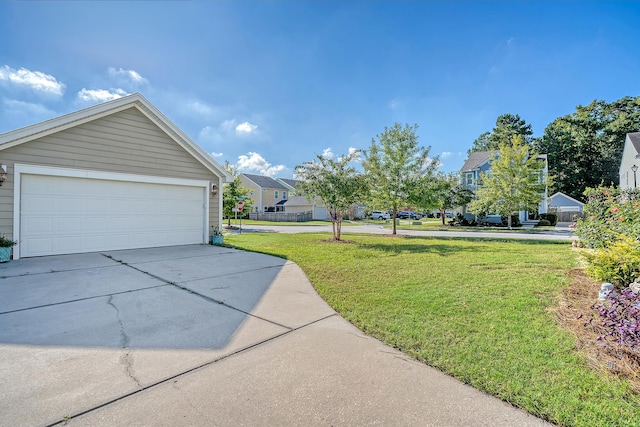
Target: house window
<point>284,195</point>
<point>536,178</point>
<point>275,194</point>
<point>468,178</point>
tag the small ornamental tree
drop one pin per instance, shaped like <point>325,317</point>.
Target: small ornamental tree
<point>515,181</point>
<point>398,170</point>
<point>234,191</point>
<point>335,182</point>
<point>450,194</point>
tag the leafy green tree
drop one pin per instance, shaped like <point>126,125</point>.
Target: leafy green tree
<point>515,181</point>
<point>584,148</point>
<point>450,193</point>
<point>232,191</point>
<point>507,126</point>
<point>398,169</point>
<point>335,182</point>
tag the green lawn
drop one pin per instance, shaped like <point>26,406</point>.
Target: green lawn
<point>476,309</point>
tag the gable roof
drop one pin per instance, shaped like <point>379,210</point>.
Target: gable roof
<point>265,181</point>
<point>298,201</point>
<point>635,140</point>
<point>562,195</point>
<point>476,159</point>
<point>291,183</point>
<point>136,100</point>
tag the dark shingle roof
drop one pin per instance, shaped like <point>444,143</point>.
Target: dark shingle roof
<point>475,159</point>
<point>635,140</point>
<point>265,181</point>
<point>289,181</point>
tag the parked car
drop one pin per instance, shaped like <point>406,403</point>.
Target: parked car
<point>380,215</point>
<point>407,215</point>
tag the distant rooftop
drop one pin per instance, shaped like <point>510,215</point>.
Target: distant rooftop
<point>265,181</point>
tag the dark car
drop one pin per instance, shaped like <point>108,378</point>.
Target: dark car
<point>407,215</point>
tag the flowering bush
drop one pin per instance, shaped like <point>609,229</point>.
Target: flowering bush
<point>621,319</point>
<point>610,231</point>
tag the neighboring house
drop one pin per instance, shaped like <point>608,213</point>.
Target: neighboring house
<point>567,208</point>
<point>479,162</point>
<point>118,175</point>
<point>629,175</point>
<point>269,194</point>
<point>275,195</point>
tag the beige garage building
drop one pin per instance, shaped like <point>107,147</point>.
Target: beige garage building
<point>118,175</point>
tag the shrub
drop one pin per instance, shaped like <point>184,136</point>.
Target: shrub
<point>618,263</point>
<point>551,217</point>
<point>544,223</point>
<point>609,214</point>
<point>621,319</point>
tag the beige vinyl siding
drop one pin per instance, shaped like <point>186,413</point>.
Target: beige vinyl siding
<point>124,142</point>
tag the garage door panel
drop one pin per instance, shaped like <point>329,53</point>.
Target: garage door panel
<point>71,215</point>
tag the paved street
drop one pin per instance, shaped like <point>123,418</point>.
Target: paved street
<point>559,233</point>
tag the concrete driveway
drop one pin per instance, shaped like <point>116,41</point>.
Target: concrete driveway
<point>204,335</point>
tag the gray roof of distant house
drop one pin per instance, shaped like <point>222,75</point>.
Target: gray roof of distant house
<point>475,159</point>
<point>635,140</point>
<point>265,181</point>
<point>298,201</point>
<point>289,181</point>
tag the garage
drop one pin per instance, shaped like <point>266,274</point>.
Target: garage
<point>117,175</point>
<point>68,214</point>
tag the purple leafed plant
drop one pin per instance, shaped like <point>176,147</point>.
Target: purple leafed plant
<point>621,319</point>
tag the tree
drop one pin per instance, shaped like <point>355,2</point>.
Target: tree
<point>507,126</point>
<point>234,191</point>
<point>398,169</point>
<point>337,184</point>
<point>451,193</point>
<point>584,148</point>
<point>515,181</point>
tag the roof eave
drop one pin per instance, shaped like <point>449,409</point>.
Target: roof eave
<point>58,124</point>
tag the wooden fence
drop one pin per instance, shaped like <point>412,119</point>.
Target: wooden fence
<point>281,216</point>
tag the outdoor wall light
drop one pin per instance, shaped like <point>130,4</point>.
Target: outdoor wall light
<point>214,189</point>
<point>3,173</point>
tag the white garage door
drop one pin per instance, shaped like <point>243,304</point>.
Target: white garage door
<point>62,215</point>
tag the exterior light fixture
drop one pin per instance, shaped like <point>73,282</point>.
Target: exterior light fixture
<point>3,173</point>
<point>634,168</point>
<point>214,189</point>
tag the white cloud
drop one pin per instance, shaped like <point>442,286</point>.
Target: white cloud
<point>327,153</point>
<point>101,95</point>
<point>446,154</point>
<point>215,155</point>
<point>254,162</point>
<point>25,113</point>
<point>202,108</point>
<point>35,80</point>
<point>130,76</point>
<point>246,128</point>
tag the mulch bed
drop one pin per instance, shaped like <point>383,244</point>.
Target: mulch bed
<point>574,311</point>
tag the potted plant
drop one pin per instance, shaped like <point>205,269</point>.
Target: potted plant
<point>5,248</point>
<point>216,235</point>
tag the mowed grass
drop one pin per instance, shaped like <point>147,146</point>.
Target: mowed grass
<point>480,310</point>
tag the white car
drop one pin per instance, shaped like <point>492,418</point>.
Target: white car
<point>380,215</point>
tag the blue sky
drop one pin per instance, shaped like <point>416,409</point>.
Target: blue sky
<point>267,85</point>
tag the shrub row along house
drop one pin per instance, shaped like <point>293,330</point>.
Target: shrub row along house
<point>118,175</point>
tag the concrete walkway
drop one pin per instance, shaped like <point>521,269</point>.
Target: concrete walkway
<point>203,335</point>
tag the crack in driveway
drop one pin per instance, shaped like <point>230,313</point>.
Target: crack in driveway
<point>128,361</point>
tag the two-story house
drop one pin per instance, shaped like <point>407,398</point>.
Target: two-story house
<point>479,162</point>
<point>630,162</point>
<point>269,194</point>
